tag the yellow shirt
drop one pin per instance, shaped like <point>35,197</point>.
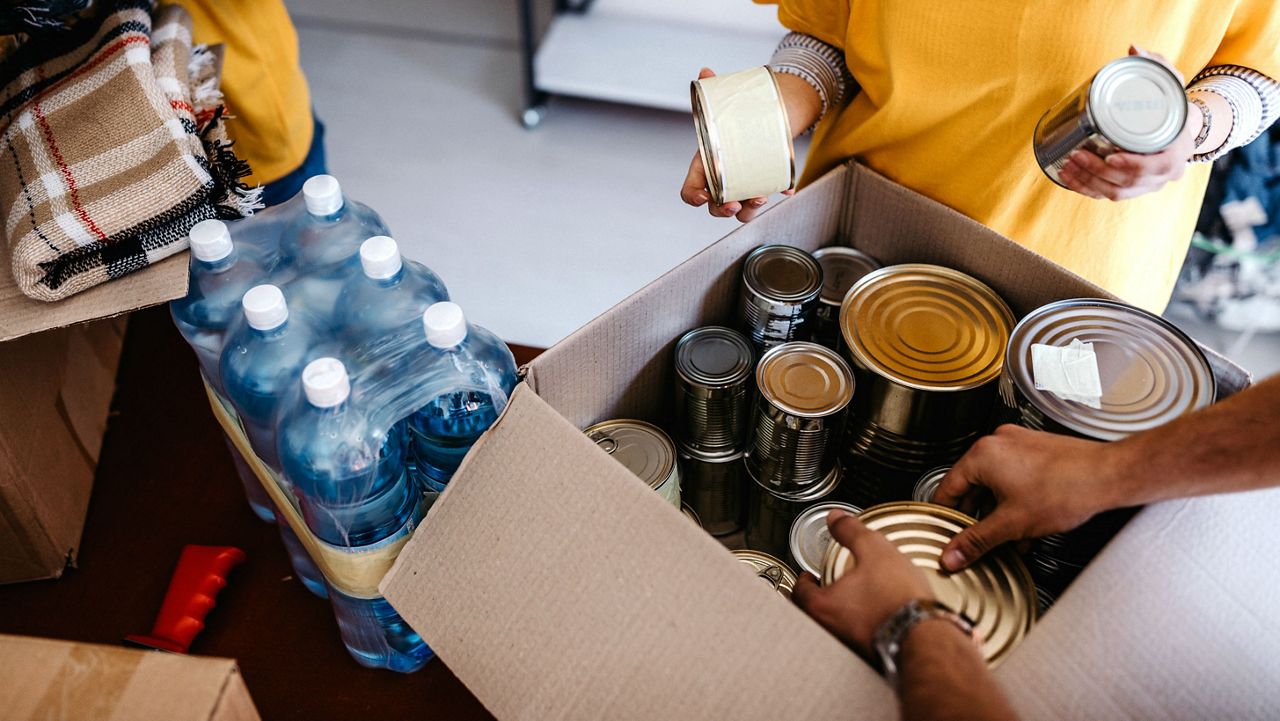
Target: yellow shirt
<point>952,91</point>
<point>263,85</point>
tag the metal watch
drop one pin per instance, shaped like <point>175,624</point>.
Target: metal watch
<point>890,635</point>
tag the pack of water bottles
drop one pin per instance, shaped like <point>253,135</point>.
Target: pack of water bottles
<point>349,387</point>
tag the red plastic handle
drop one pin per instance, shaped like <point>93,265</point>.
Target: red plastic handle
<point>201,574</point>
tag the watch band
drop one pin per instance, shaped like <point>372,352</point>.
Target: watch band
<point>891,634</point>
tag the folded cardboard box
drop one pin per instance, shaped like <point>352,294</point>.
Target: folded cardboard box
<point>58,364</point>
<point>45,679</point>
<point>558,586</point>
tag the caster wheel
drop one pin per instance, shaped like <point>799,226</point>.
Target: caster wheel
<point>532,117</point>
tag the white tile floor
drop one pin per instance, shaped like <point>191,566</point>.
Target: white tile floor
<point>535,232</point>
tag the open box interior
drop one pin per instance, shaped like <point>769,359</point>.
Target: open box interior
<point>557,585</point>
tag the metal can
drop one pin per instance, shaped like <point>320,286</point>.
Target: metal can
<point>780,289</point>
<point>645,451</point>
<point>810,536</point>
<point>927,345</point>
<point>842,266</point>
<point>712,486</point>
<point>770,514</point>
<point>996,592</point>
<point>1134,104</point>
<point>1151,372</point>
<point>690,514</point>
<point>744,137</point>
<point>928,485</point>
<point>804,389</point>
<point>769,569</point>
<point>713,390</point>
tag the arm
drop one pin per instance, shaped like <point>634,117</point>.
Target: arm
<point>941,674</point>
<point>1045,483</point>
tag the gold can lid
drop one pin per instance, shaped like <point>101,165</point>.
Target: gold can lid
<point>782,273</point>
<point>642,447</point>
<point>769,569</point>
<point>926,327</point>
<point>805,379</point>
<point>997,592</point>
<point>842,266</point>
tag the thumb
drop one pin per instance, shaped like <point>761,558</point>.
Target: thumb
<point>977,540</point>
<point>1133,50</point>
<point>706,73</point>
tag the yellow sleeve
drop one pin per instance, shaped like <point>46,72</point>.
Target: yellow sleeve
<point>1253,38</point>
<point>826,20</point>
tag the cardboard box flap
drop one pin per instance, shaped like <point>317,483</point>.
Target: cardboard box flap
<point>597,608</point>
<point>1175,620</point>
<point>20,315</point>
<point>46,679</point>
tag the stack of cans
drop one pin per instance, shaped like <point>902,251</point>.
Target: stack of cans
<point>927,345</point>
<point>645,450</point>
<point>714,395</point>
<point>841,268</point>
<point>780,290</point>
<point>793,461</point>
<point>1150,373</point>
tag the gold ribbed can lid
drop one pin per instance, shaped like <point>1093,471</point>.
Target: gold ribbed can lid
<point>769,569</point>
<point>996,592</point>
<point>926,327</point>
<point>642,447</point>
<point>805,379</point>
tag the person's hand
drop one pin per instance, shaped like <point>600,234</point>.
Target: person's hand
<point>1121,176</point>
<point>880,582</point>
<point>1043,483</point>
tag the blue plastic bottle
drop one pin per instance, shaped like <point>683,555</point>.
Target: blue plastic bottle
<point>349,475</point>
<point>388,296</point>
<point>261,359</point>
<point>321,245</point>
<point>221,272</point>
<point>469,374</point>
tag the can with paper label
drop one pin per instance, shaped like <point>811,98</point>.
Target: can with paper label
<point>744,137</point>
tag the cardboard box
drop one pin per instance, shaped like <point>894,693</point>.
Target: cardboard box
<point>46,679</point>
<point>557,586</point>
<point>59,373</point>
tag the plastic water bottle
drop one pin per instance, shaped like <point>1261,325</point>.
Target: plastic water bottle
<point>389,295</point>
<point>321,245</point>
<point>349,474</point>
<point>221,272</point>
<point>261,359</point>
<point>469,374</point>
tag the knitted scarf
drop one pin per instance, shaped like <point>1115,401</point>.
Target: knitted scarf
<point>111,147</point>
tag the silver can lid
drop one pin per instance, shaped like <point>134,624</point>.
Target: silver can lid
<point>928,485</point>
<point>1138,104</point>
<point>810,536</point>
<point>782,273</point>
<point>841,268</point>
<point>805,379</point>
<point>714,357</point>
<point>1151,372</point>
<point>642,447</point>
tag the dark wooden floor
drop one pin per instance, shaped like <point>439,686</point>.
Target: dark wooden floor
<point>164,481</point>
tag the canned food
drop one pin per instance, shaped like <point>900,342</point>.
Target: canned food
<point>712,486</point>
<point>1134,104</point>
<point>810,535</point>
<point>770,514</point>
<point>928,484</point>
<point>927,345</point>
<point>713,390</point>
<point>1151,372</point>
<point>690,514</point>
<point>645,451</point>
<point>744,137</point>
<point>769,569</point>
<point>841,268</point>
<point>996,592</point>
<point>780,289</point>
<point>804,389</point>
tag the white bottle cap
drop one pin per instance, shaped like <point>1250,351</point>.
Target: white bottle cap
<point>322,194</point>
<point>325,382</point>
<point>380,257</point>
<point>210,240</point>
<point>264,307</point>
<point>446,325</point>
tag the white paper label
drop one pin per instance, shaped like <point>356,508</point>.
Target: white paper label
<point>1069,372</point>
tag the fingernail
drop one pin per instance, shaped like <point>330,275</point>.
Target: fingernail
<point>757,202</point>
<point>953,560</point>
<point>700,198</point>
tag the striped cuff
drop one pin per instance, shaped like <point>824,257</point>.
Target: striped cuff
<point>1254,99</point>
<point>818,64</point>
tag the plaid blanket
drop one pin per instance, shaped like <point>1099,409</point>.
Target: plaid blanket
<point>111,148</point>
